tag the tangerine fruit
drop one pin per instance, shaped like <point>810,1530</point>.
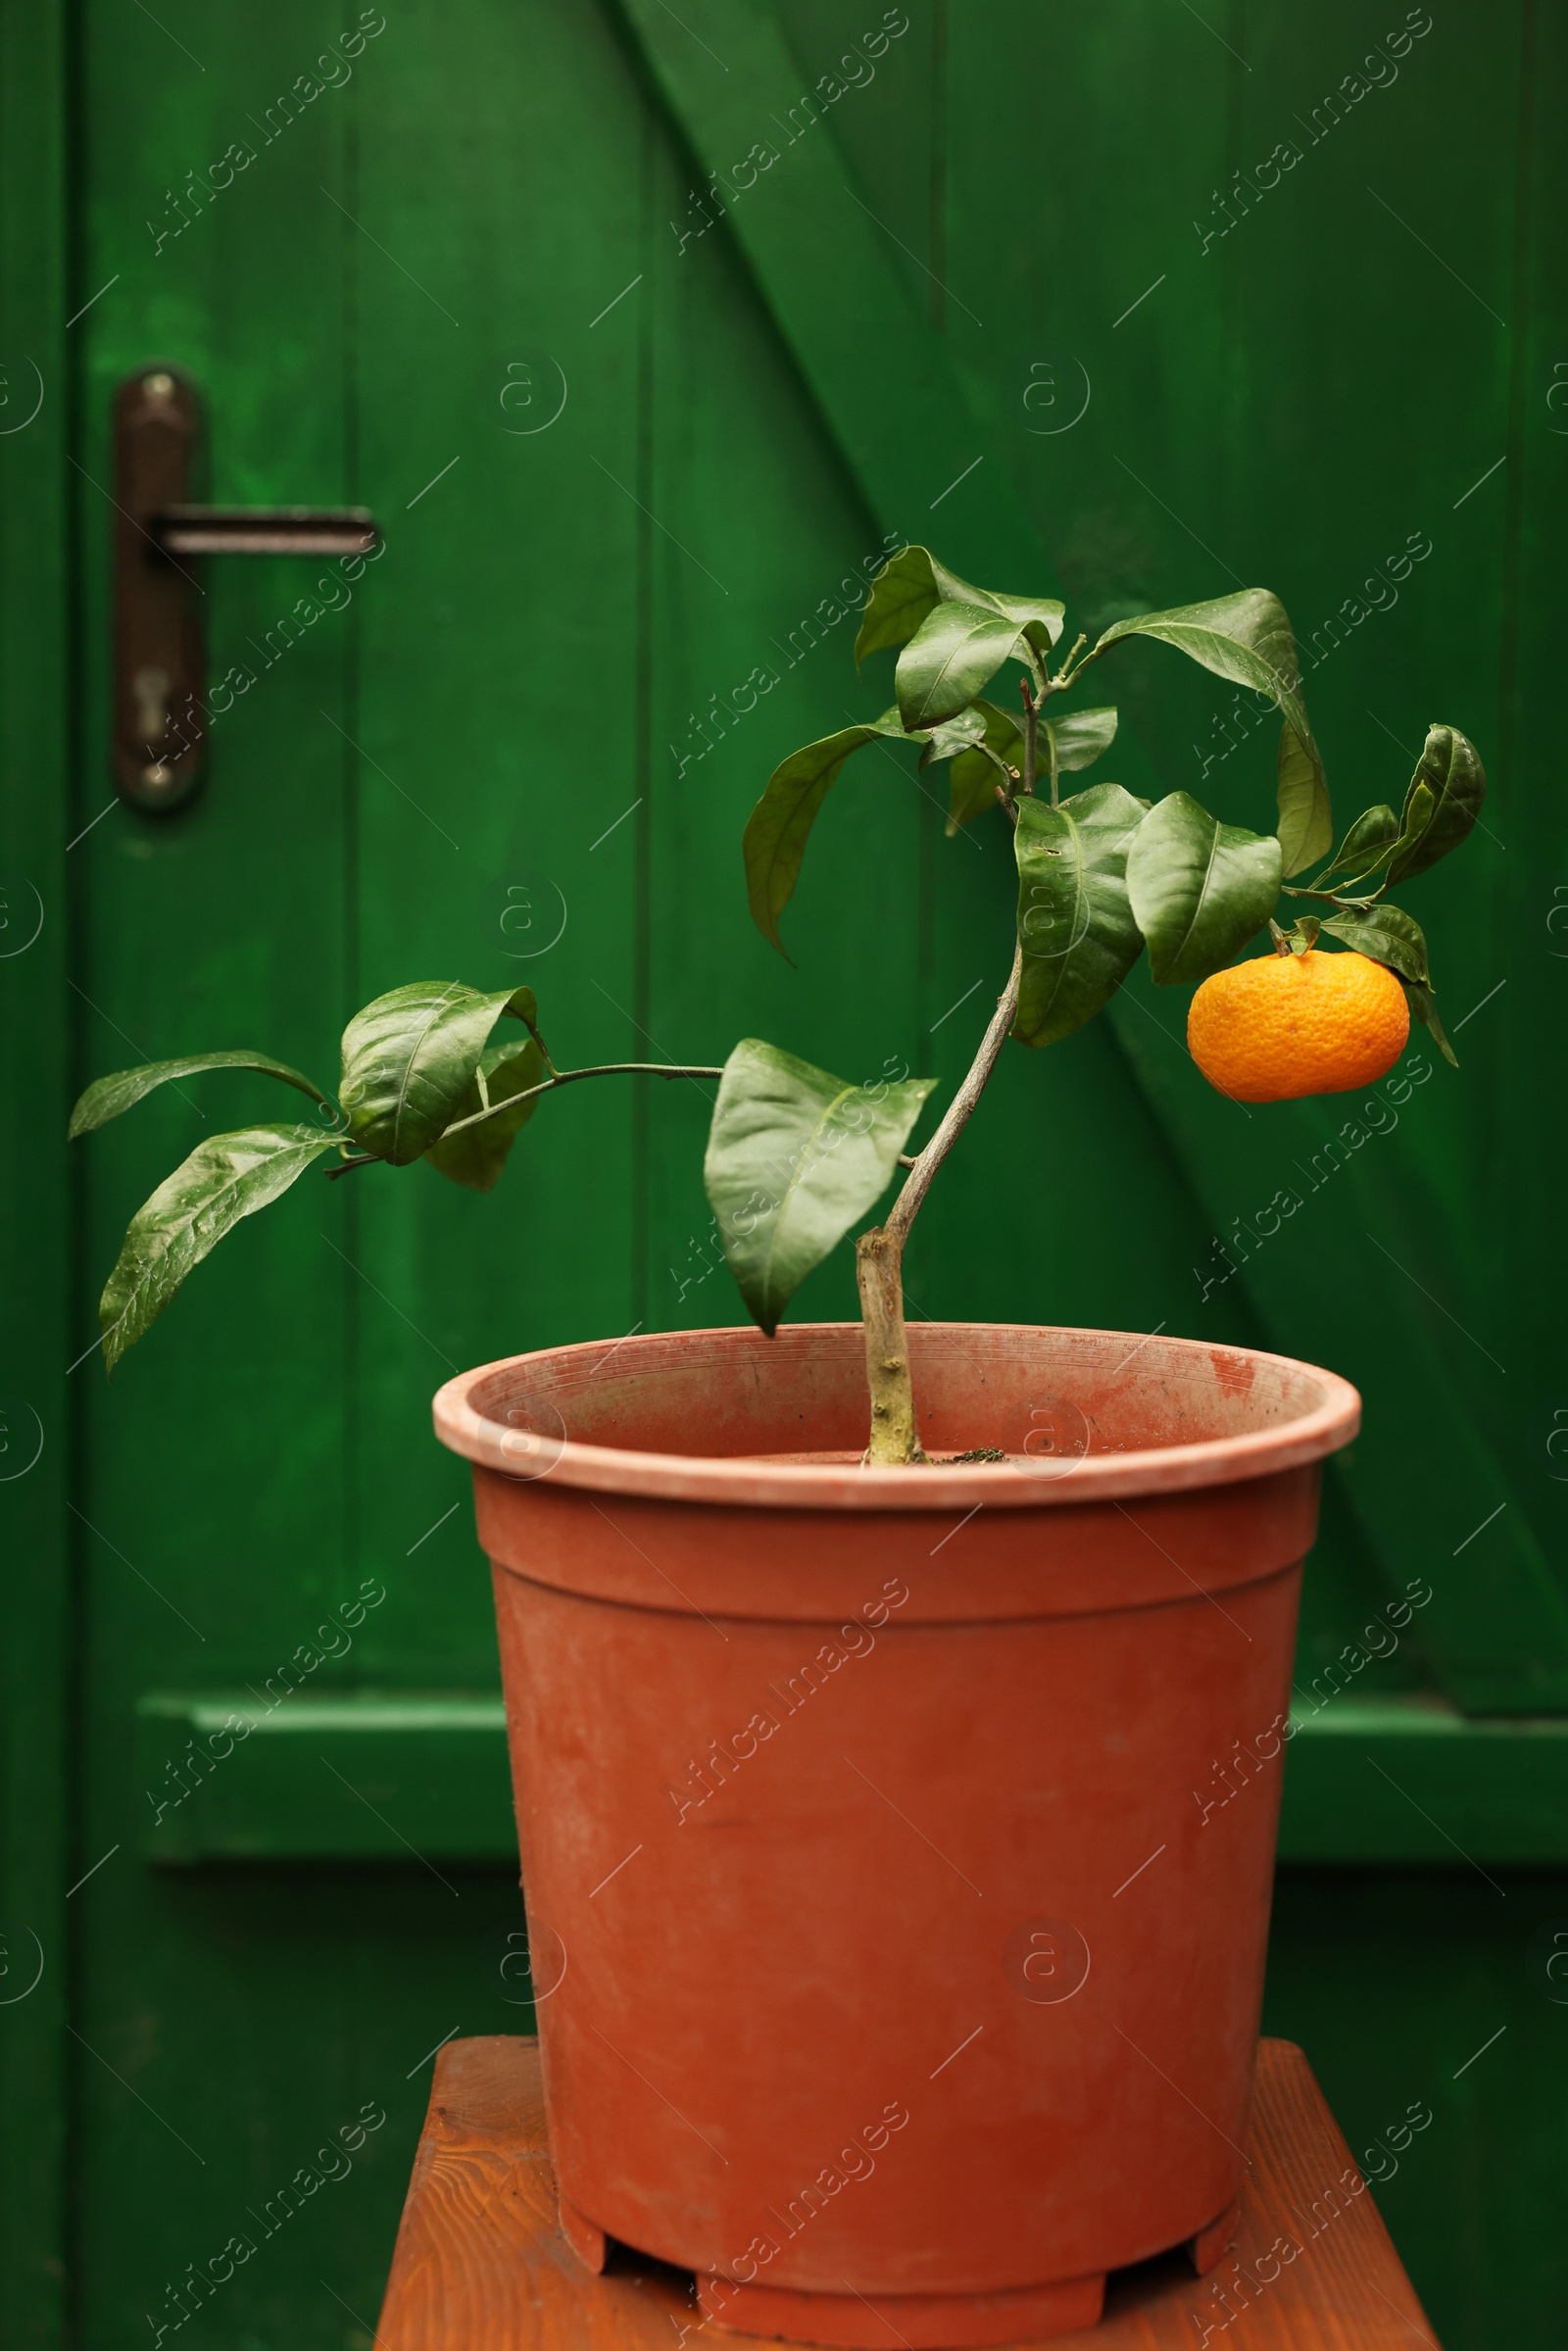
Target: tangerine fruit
<point>1280,1026</point>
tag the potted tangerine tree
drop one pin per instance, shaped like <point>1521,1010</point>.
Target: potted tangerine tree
<point>855,1675</point>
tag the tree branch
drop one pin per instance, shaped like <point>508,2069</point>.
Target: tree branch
<point>918,1182</point>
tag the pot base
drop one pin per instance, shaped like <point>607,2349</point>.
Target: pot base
<point>924,2322</point>
<point>585,2237</point>
<point>1208,2248</point>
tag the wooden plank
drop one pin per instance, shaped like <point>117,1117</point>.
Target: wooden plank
<point>1369,1780</point>
<point>224,1435</point>
<point>1499,1639</point>
<point>481,2264</point>
<point>1528,933</point>
<point>38,695</point>
<point>498,692</point>
<point>388,1778</point>
<point>404,1779</point>
<point>888,393</point>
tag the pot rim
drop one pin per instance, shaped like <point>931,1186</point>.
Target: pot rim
<point>750,1481</point>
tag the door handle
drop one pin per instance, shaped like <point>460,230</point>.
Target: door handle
<point>160,721</point>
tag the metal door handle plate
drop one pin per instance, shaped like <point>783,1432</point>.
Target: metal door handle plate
<point>160,661</point>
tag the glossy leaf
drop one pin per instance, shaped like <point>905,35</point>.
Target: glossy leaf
<point>1199,889</point>
<point>1305,829</point>
<point>780,826</point>
<point>478,1155</point>
<point>1450,768</point>
<point>1244,637</point>
<point>1388,936</point>
<point>225,1178</point>
<point>409,1059</point>
<point>972,787</point>
<point>953,735</point>
<point>795,1158</point>
<point>1247,638</point>
<point>911,583</point>
<point>952,656</point>
<point>1075,922</point>
<point>106,1097</point>
<point>1080,737</point>
<point>1366,846</point>
<point>1423,1009</point>
<point>1420,805</point>
<point>901,594</point>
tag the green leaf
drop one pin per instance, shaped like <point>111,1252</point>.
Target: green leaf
<point>901,594</point>
<point>1420,802</point>
<point>1450,768</point>
<point>1199,889</point>
<point>409,1059</point>
<point>974,779</point>
<point>1425,1010</point>
<point>1367,845</point>
<point>1075,923</point>
<point>1247,638</point>
<point>106,1097</point>
<point>1080,738</point>
<point>911,583</point>
<point>225,1178</point>
<point>795,1157</point>
<point>956,652</point>
<point>478,1155</point>
<point>780,826</point>
<point>1305,829</point>
<point>953,735</point>
<point>1388,936</point>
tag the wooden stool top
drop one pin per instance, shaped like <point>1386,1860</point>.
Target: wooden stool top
<point>480,2265</point>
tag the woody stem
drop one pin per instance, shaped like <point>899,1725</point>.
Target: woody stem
<point>879,1254</point>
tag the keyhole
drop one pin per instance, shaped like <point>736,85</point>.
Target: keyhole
<point>151,687</point>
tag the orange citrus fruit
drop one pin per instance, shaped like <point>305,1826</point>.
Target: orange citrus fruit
<point>1280,1026</point>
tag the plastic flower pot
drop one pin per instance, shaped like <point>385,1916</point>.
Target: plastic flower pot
<point>896,1843</point>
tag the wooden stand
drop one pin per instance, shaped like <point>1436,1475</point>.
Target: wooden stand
<point>481,2264</point>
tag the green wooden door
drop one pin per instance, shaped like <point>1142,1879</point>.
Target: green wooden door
<point>641,335</point>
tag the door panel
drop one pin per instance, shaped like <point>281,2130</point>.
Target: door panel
<point>624,471</point>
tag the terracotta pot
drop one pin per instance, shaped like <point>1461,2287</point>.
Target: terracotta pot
<point>896,1842</point>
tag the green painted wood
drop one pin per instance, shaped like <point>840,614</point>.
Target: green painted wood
<point>1520,1193</point>
<point>887,391</point>
<point>519,646</point>
<point>1410,1235</point>
<point>265,2004</point>
<point>1395,1982</point>
<point>37,1843</point>
<point>412,1781</point>
<point>1370,1780</point>
<point>1499,1638</point>
<point>1312,1203</point>
<point>217,1485</point>
<point>508,185</point>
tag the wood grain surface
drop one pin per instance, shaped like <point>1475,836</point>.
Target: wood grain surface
<point>481,2264</point>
